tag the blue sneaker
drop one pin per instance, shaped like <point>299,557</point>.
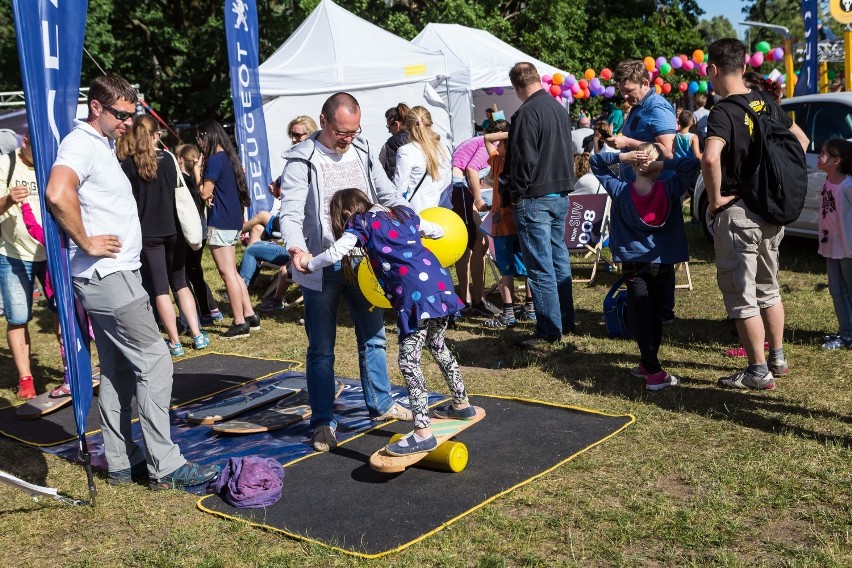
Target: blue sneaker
<point>833,342</point>
<point>214,316</point>
<point>411,446</point>
<point>200,341</point>
<point>176,350</point>
<point>449,412</point>
<point>187,475</point>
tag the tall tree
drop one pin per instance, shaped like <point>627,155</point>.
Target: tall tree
<point>717,27</point>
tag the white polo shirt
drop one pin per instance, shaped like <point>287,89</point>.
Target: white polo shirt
<point>106,201</point>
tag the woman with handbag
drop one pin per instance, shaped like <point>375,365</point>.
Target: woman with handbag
<point>153,175</point>
<point>225,189</point>
<point>423,166</point>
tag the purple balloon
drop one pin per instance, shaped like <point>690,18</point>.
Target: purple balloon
<point>676,62</point>
<point>660,61</point>
<point>498,90</point>
<point>570,80</point>
<point>595,84</point>
<point>489,91</point>
<point>609,92</point>
<point>778,54</point>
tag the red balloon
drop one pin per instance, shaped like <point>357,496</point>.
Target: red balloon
<point>606,74</point>
<point>683,87</point>
<point>555,90</point>
<point>659,81</point>
<point>583,84</point>
<point>586,93</point>
<point>667,88</point>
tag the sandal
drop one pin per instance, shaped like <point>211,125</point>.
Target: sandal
<point>61,391</point>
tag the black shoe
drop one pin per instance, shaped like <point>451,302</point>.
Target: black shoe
<point>485,309</point>
<point>236,330</point>
<point>254,322</point>
<point>135,474</point>
<point>533,342</point>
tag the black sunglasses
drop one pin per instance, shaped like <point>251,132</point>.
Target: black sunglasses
<point>118,114</point>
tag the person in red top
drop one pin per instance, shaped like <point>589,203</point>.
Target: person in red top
<point>507,246</point>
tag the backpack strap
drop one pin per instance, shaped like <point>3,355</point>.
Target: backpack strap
<point>11,173</point>
<point>410,197</point>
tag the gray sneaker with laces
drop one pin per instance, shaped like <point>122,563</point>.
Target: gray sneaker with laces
<point>324,439</point>
<point>744,380</point>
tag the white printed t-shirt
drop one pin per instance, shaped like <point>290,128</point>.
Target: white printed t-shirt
<point>15,240</point>
<point>336,172</point>
<point>107,205</point>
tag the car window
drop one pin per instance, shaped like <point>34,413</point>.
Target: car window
<point>799,114</point>
<point>826,121</point>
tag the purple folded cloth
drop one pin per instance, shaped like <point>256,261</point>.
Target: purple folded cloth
<point>250,481</point>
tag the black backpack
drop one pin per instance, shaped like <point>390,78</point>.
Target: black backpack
<point>776,184</point>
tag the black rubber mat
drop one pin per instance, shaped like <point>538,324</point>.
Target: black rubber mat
<point>336,499</point>
<point>194,378</point>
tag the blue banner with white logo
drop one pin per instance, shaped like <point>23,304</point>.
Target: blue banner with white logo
<point>808,82</point>
<point>250,126</point>
<point>50,51</point>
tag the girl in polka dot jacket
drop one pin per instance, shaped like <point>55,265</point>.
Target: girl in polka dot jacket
<point>419,290</point>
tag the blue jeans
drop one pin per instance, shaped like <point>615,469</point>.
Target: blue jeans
<point>541,229</point>
<point>260,251</point>
<point>321,328</point>
<point>840,288</point>
<point>17,278</point>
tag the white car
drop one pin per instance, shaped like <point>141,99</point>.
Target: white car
<point>821,117</point>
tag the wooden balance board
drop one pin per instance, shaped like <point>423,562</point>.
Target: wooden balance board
<point>286,412</point>
<point>43,405</point>
<point>235,405</point>
<point>448,456</point>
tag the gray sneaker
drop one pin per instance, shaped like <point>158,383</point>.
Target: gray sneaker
<point>744,380</point>
<point>396,412</point>
<point>324,439</point>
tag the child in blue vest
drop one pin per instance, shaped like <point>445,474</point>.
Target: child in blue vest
<point>648,238</point>
<point>420,291</point>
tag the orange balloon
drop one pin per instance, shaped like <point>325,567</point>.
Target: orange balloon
<point>650,64</point>
<point>658,89</point>
<point>606,74</point>
<point>558,79</point>
<point>698,56</point>
<point>589,74</point>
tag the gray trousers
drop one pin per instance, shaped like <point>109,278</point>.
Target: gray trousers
<point>134,360</point>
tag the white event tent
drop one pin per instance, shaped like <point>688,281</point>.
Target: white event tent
<point>334,50</point>
<point>476,60</point>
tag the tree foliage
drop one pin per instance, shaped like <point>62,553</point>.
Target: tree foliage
<point>717,27</point>
<point>175,49</point>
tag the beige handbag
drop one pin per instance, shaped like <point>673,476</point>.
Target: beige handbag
<point>187,213</point>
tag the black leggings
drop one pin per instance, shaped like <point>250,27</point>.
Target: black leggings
<point>647,296</point>
<point>162,265</point>
<point>195,275</point>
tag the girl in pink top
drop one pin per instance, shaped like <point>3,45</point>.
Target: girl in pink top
<point>835,235</point>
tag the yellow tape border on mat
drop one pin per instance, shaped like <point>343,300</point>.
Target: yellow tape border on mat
<point>200,505</point>
<point>297,365</point>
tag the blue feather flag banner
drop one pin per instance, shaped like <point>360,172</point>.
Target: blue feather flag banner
<point>50,50</point>
<point>241,35</point>
<point>808,82</point>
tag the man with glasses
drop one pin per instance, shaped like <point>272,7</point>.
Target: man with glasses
<point>92,200</point>
<point>330,160</point>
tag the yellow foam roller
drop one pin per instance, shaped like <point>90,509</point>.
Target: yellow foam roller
<point>449,456</point>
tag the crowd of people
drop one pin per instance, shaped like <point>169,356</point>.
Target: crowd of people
<point>338,203</point>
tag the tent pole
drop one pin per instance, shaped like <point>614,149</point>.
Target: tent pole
<point>450,111</point>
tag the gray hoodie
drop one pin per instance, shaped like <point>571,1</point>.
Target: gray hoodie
<point>302,222</point>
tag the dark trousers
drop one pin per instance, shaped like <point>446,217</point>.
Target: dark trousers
<point>648,287</point>
<point>195,276</point>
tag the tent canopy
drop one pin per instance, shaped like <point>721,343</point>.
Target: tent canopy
<point>476,60</point>
<point>336,50</point>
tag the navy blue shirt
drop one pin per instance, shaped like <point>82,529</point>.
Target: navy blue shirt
<point>227,211</point>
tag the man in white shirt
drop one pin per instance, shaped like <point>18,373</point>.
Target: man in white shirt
<point>92,201</point>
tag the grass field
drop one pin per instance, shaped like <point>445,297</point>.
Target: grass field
<point>705,477</point>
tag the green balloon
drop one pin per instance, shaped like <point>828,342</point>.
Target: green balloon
<point>702,86</point>
<point>707,57</point>
<point>665,69</point>
<point>832,75</point>
<point>763,47</point>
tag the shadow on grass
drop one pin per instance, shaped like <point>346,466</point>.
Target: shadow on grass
<point>21,461</point>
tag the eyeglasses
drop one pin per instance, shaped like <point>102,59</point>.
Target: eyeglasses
<point>121,115</point>
<point>346,134</point>
<point>297,135</point>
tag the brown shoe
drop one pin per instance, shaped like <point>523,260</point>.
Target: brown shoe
<point>395,412</point>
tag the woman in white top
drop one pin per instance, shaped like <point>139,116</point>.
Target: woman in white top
<point>423,166</point>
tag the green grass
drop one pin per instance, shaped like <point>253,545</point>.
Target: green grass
<point>704,477</point>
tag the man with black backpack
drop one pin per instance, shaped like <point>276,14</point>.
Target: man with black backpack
<point>755,175</point>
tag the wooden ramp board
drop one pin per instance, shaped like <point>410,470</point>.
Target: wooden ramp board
<point>286,412</point>
<point>442,428</point>
<point>235,405</point>
<point>43,404</point>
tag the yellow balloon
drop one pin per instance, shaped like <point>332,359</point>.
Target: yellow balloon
<point>369,285</point>
<point>449,248</point>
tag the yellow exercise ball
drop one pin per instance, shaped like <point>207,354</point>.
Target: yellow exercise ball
<point>369,285</point>
<point>449,248</point>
